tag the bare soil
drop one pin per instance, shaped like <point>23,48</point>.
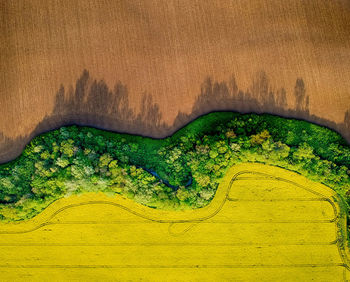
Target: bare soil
<point>167,49</point>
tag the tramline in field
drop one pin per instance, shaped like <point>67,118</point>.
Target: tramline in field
<point>264,223</point>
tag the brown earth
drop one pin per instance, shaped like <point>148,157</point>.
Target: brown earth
<point>167,49</point>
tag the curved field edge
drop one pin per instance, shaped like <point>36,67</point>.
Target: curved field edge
<point>51,214</point>
<point>75,160</point>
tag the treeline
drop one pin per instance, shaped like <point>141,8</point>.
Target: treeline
<point>93,103</point>
<point>74,160</point>
<point>259,98</point>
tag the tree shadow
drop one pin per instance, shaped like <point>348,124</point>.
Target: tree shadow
<point>92,103</point>
<point>259,98</point>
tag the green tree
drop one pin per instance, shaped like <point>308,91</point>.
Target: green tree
<point>67,147</point>
<point>62,162</point>
<point>203,180</point>
<point>42,187</point>
<point>105,159</point>
<point>304,153</point>
<point>276,150</point>
<point>259,138</point>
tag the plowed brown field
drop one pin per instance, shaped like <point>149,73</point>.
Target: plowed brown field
<point>167,48</point>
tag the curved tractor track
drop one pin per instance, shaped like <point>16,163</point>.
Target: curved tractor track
<point>264,224</point>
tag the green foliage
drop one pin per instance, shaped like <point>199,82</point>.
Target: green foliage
<point>276,150</point>
<point>235,147</point>
<point>186,167</point>
<point>259,138</point>
<point>105,159</point>
<point>183,194</point>
<point>304,153</point>
<point>67,148</point>
<point>62,162</point>
<point>213,154</point>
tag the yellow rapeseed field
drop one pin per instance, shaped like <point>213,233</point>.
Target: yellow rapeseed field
<point>264,224</point>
